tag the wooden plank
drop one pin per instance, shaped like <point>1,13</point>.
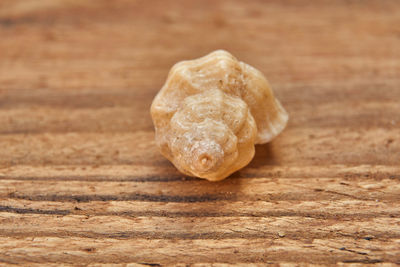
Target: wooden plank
<point>227,227</point>
<point>39,119</point>
<point>340,208</point>
<point>293,146</point>
<point>140,172</point>
<point>298,93</point>
<point>82,183</point>
<point>131,46</point>
<point>202,191</point>
<point>86,250</point>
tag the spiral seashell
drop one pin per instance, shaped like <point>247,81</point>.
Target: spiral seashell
<point>211,112</point>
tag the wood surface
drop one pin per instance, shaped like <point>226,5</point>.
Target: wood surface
<point>82,183</point>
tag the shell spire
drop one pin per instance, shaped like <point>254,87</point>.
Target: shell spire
<point>211,112</point>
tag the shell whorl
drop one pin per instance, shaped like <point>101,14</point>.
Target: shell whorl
<point>211,112</point>
<point>204,133</point>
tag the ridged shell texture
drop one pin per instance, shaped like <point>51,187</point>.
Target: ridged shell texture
<point>211,112</point>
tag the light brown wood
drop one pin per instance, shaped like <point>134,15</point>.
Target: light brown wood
<point>82,182</point>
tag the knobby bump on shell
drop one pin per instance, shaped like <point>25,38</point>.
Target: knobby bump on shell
<point>211,112</point>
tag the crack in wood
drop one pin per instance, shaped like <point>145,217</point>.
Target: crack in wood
<point>127,197</point>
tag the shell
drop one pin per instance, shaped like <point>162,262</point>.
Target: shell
<point>211,112</point>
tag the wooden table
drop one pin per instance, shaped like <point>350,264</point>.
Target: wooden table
<point>81,181</point>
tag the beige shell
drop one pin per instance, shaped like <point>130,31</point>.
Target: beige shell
<point>210,113</point>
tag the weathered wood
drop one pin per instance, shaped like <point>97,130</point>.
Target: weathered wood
<point>296,146</point>
<point>113,226</point>
<point>201,191</point>
<point>88,250</point>
<point>82,183</point>
<point>38,119</point>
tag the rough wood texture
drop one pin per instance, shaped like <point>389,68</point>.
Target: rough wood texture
<point>82,182</point>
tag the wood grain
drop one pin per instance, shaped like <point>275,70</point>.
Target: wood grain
<point>82,183</point>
